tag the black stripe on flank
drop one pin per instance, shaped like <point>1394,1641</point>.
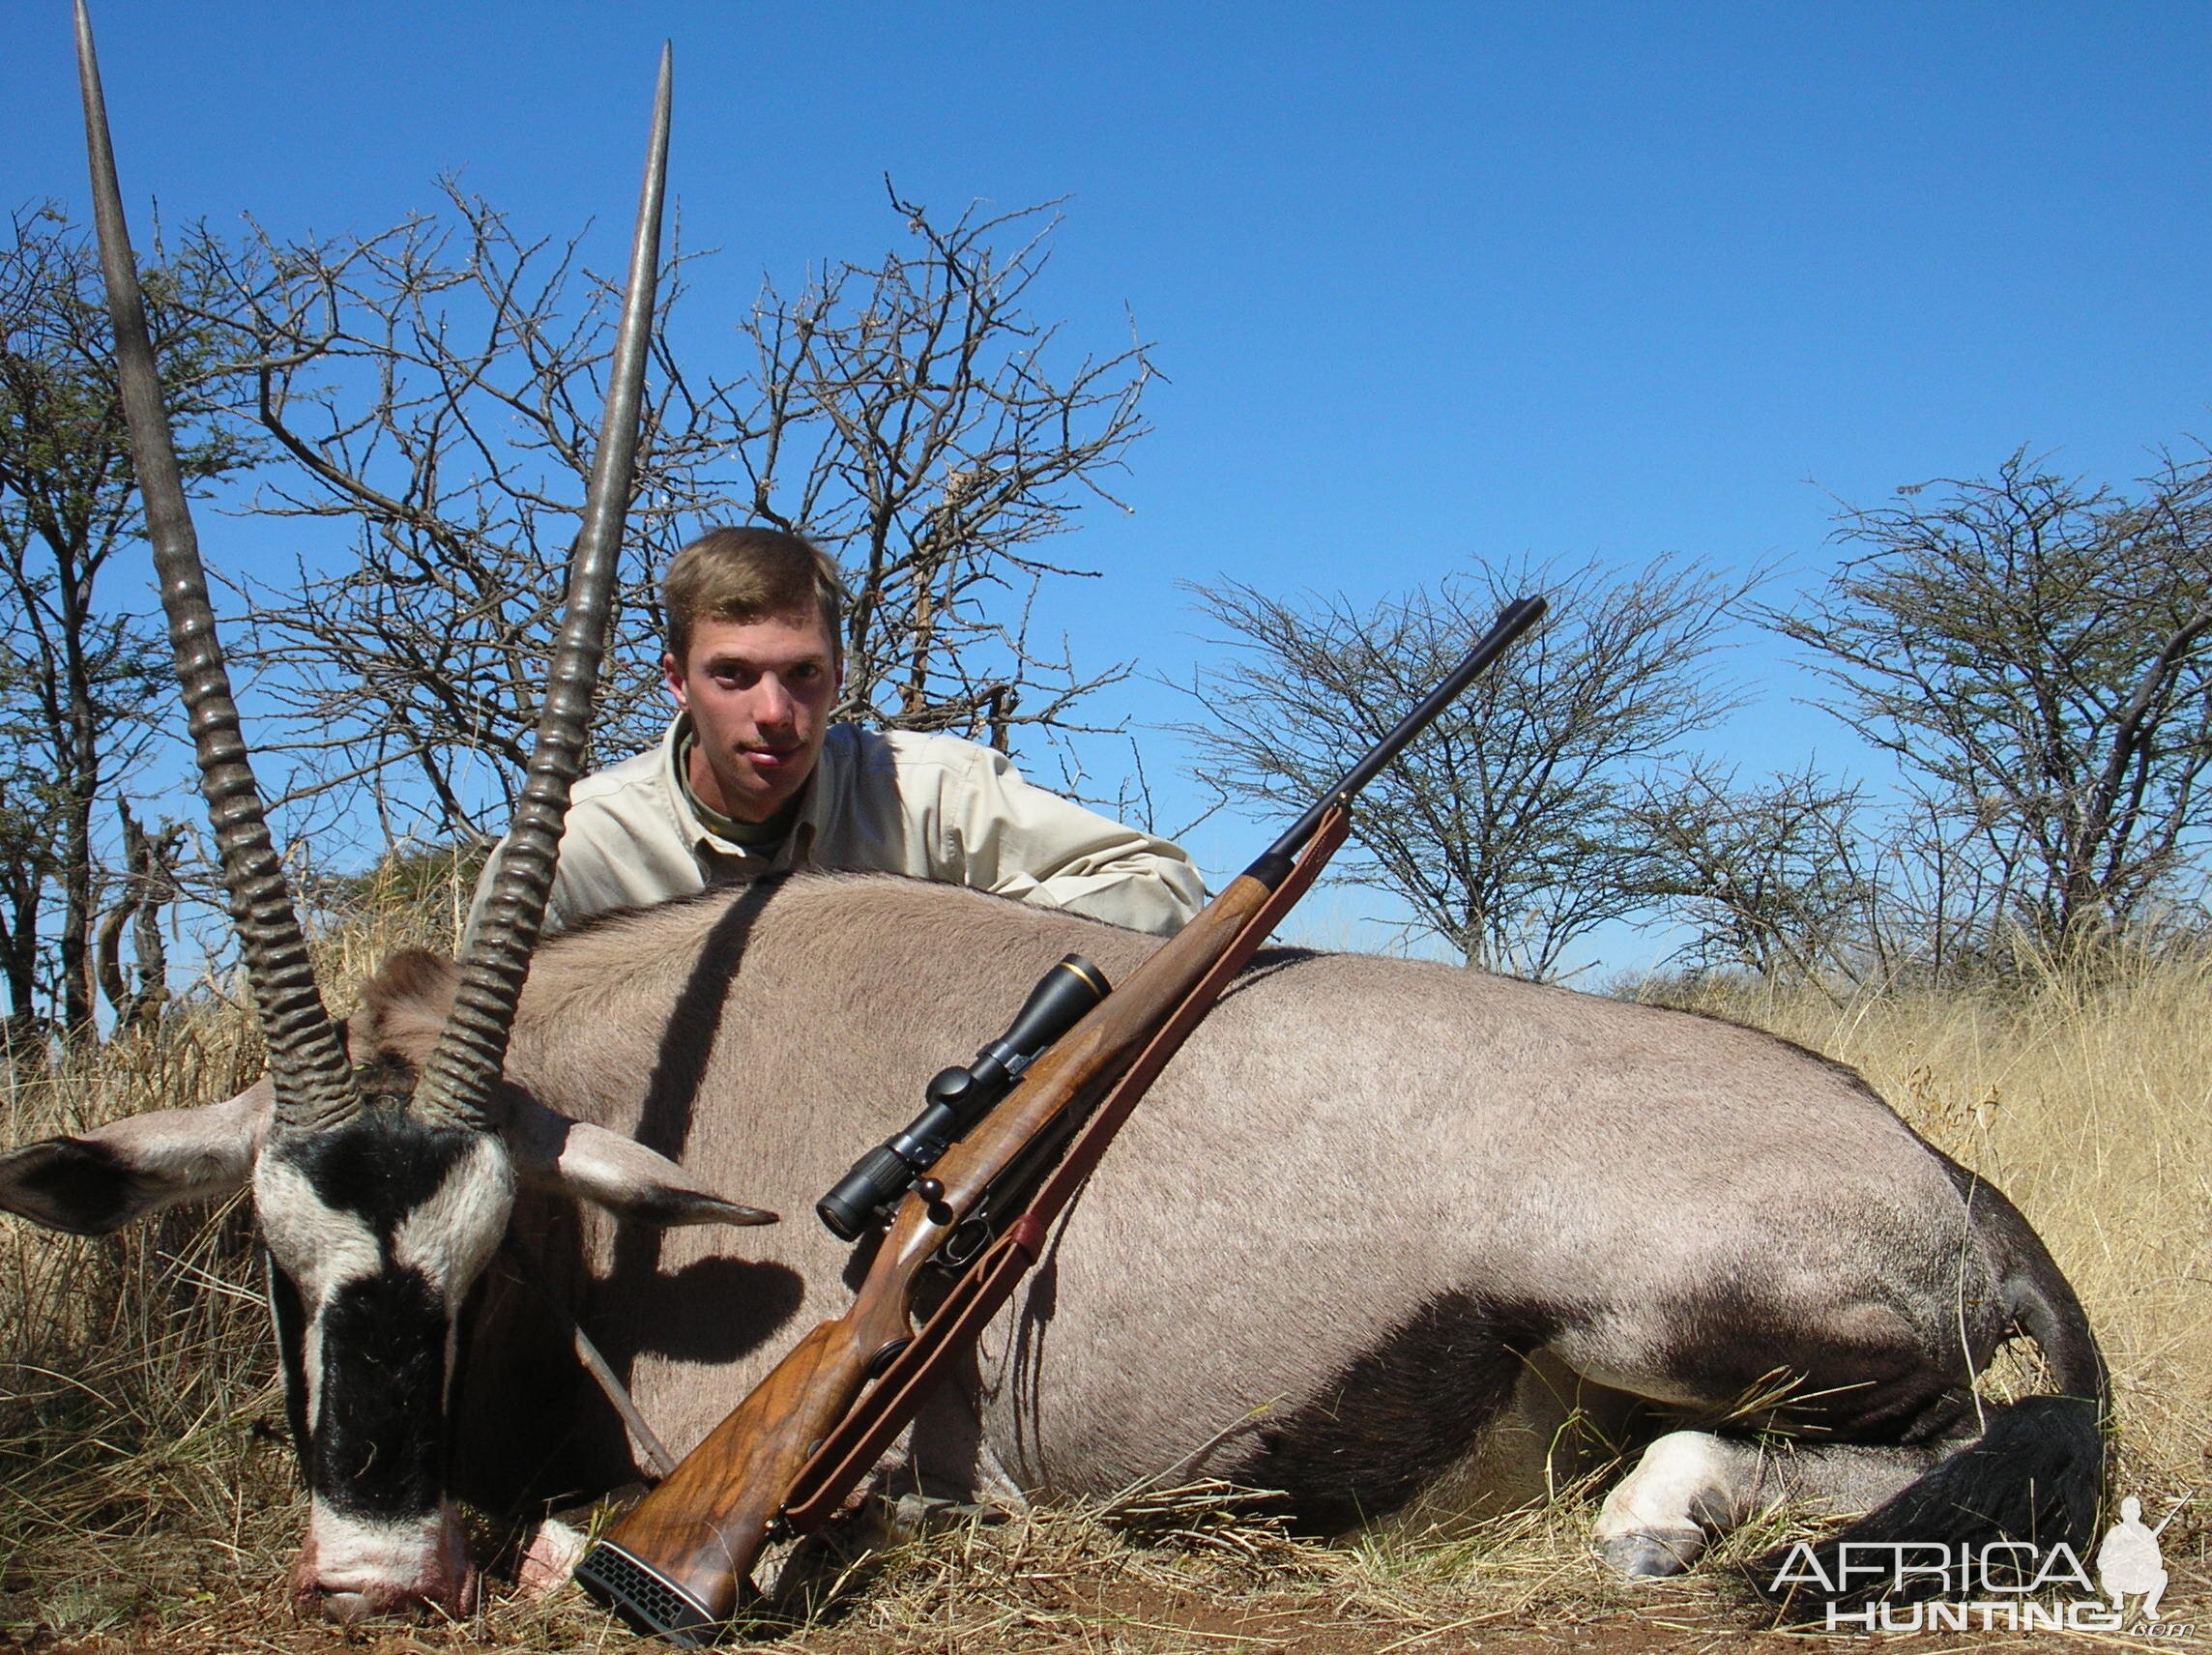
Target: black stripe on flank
<point>1398,1417</point>
<point>688,1039</point>
<point>1842,1378</point>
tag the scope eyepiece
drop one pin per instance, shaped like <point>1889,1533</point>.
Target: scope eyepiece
<point>958,1099</point>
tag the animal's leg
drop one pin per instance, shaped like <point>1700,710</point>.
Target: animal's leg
<point>1555,1427</point>
<point>952,1462</point>
<point>549,1558</point>
<point>938,1473</point>
<point>557,1541</point>
<point>1691,1485</point>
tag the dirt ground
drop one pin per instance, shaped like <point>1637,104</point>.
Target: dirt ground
<point>1068,1604</point>
<point>1138,1625</point>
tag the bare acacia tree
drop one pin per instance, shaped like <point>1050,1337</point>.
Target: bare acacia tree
<point>78,672</point>
<point>1771,877</point>
<point>1507,828</point>
<point>910,415</point>
<point>433,388</point>
<point>2038,656</point>
<point>149,883</point>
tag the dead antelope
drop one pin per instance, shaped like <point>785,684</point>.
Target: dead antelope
<point>1383,1235</point>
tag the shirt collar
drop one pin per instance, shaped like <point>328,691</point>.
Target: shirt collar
<point>795,846</point>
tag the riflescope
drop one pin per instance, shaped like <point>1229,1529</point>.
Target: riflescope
<point>958,1099</point>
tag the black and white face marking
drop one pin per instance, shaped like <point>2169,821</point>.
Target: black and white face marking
<point>379,1226</point>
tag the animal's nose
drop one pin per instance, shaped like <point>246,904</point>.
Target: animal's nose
<point>350,1605</point>
<point>346,1608</point>
<point>351,1570</point>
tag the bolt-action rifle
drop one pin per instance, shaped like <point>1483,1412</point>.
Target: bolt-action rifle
<point>783,1463</point>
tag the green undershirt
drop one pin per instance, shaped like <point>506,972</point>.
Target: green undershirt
<point>759,838</point>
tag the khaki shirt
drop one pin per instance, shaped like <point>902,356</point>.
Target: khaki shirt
<point>932,806</point>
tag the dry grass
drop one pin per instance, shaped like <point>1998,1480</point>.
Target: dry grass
<point>147,1499</point>
<point>137,1395</point>
<point>2089,1102</point>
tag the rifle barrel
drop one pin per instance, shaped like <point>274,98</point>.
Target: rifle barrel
<point>1514,620</point>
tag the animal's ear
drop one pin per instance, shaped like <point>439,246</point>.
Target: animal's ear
<point>590,1163</point>
<point>100,1182</point>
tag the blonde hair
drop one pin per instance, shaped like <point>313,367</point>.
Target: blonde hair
<point>750,574</point>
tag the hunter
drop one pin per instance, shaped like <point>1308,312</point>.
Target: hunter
<point>752,777</point>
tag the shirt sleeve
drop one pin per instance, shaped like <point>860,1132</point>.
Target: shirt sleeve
<point>620,847</point>
<point>1003,834</point>
<point>563,906</point>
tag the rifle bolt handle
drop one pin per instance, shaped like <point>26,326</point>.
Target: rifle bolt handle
<point>932,1191</point>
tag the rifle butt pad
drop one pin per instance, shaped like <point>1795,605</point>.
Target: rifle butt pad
<point>646,1600</point>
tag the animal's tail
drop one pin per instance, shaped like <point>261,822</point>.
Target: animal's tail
<point>2035,1474</point>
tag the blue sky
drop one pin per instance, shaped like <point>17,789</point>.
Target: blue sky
<point>1426,281</point>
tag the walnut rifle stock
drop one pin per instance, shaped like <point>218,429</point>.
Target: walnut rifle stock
<point>784,1459</point>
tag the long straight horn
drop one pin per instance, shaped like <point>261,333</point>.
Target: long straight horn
<point>308,1064</point>
<point>457,1080</point>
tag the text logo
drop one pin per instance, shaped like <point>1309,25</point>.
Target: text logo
<point>1997,1585</point>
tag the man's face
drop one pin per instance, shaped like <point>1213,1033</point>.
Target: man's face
<point>759,693</point>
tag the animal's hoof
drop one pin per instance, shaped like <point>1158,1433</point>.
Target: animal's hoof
<point>1650,1553</point>
<point>549,1559</point>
